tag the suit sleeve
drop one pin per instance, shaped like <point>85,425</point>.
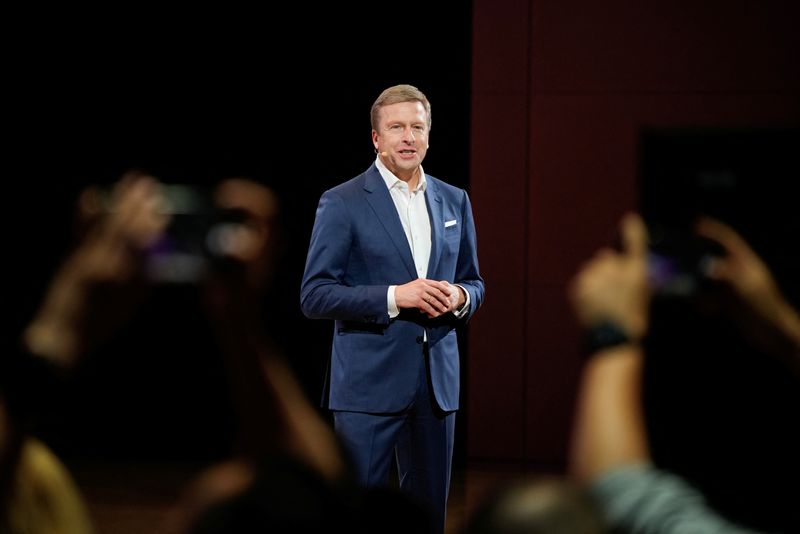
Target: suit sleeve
<point>325,291</point>
<point>467,269</point>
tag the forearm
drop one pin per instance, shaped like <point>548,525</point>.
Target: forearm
<point>787,320</point>
<point>609,429</point>
<point>306,434</point>
<point>54,332</point>
<point>775,328</point>
<point>91,293</point>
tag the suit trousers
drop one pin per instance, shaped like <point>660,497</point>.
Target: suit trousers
<point>420,438</point>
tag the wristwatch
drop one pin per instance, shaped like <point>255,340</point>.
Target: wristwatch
<point>603,336</point>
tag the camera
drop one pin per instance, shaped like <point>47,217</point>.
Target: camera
<point>194,242</point>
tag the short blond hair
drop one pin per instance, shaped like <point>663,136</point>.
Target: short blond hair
<point>396,94</point>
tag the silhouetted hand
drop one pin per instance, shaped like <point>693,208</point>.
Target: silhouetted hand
<point>612,286</point>
<point>96,287</point>
<point>751,280</point>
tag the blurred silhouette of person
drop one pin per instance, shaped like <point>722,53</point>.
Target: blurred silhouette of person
<point>286,460</point>
<point>287,465</point>
<point>393,262</point>
<point>290,473</point>
<point>540,505</point>
<point>610,453</point>
<point>614,483</point>
<point>721,390</point>
<point>38,492</point>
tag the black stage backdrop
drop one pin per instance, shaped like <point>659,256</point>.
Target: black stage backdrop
<point>194,97</point>
<point>714,394</point>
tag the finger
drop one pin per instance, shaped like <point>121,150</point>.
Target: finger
<point>434,291</point>
<point>438,285</point>
<point>140,217</point>
<point>425,305</point>
<point>453,294</point>
<point>443,299</point>
<point>434,302</point>
<point>723,234</point>
<point>634,235</point>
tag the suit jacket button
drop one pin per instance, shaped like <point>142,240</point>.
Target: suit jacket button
<point>419,339</point>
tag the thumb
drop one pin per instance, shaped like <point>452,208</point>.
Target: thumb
<point>634,235</point>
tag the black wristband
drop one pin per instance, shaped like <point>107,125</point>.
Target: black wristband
<point>604,336</point>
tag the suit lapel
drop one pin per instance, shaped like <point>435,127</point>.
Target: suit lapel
<point>434,202</point>
<point>380,200</point>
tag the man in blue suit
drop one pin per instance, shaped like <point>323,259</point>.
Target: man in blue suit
<point>393,261</point>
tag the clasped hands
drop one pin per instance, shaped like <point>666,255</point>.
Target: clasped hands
<point>434,298</point>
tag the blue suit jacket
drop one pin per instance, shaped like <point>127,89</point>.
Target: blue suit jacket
<point>357,250</point>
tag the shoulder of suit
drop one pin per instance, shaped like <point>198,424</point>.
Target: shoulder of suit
<point>443,186</point>
<point>351,186</point>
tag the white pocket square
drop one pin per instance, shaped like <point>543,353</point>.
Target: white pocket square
<point>448,224</point>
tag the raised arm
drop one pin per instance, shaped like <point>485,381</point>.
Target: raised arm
<point>98,283</point>
<point>611,292</point>
<point>609,454</point>
<point>759,306</point>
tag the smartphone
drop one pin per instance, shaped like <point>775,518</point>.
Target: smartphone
<point>182,254</point>
<point>678,259</point>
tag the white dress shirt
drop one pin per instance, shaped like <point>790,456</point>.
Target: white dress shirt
<point>413,212</point>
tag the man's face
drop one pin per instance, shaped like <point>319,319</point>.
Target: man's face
<point>403,136</point>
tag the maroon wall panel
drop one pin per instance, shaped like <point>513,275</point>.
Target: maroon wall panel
<point>499,147</point>
<point>598,74</point>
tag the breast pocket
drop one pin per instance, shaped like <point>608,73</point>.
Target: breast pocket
<point>452,233</point>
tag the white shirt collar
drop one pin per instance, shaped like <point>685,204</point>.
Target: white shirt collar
<point>391,180</point>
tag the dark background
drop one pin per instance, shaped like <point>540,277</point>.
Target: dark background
<point>540,108</point>
<point>714,395</point>
<point>195,97</point>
